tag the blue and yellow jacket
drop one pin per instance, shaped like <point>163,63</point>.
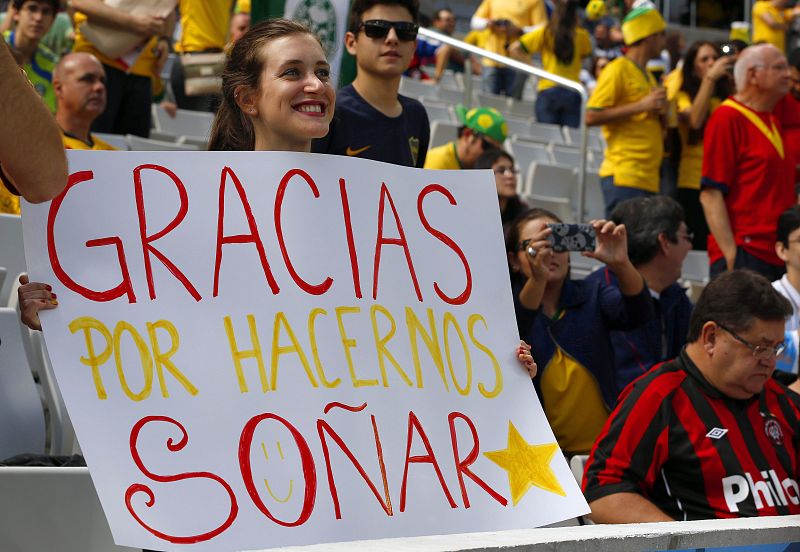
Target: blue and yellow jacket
<point>661,339</point>
<point>576,381</point>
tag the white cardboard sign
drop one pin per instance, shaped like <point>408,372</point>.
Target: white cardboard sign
<point>269,349</point>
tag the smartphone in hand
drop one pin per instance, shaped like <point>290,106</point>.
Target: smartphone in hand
<point>572,237</point>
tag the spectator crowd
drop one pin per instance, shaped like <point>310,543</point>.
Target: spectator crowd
<point>679,407</point>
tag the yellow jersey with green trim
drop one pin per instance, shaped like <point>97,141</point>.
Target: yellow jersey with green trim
<point>40,71</point>
<point>573,403</point>
<point>443,157</point>
<point>635,144</point>
<point>73,142</point>
<point>539,40</point>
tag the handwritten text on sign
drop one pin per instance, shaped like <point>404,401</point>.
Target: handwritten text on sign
<point>264,349</point>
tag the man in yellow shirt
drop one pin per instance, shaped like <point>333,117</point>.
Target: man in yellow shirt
<point>506,20</point>
<point>483,128</point>
<point>630,106</point>
<point>79,82</point>
<point>771,20</point>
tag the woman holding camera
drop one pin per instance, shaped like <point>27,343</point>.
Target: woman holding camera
<point>706,83</point>
<point>567,322</point>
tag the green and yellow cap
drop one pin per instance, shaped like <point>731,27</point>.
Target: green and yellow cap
<point>484,120</point>
<point>641,23</point>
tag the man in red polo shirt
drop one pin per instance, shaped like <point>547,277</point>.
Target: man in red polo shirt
<point>748,177</point>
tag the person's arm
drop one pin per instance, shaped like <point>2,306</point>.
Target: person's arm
<point>702,100</point>
<point>655,101</point>
<point>34,160</point>
<point>626,508</point>
<point>773,23</point>
<point>719,224</point>
<point>100,12</point>
<point>532,293</point>
<point>612,249</point>
<point>518,52</point>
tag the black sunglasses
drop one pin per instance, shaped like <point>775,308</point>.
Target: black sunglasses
<point>379,28</point>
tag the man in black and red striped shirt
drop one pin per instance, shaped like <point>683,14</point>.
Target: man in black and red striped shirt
<point>709,434</point>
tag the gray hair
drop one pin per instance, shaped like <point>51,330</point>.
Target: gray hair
<point>750,57</point>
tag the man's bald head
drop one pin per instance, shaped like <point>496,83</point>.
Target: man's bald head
<point>79,81</point>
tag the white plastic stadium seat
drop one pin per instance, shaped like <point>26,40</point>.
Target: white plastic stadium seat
<point>526,153</point>
<point>22,429</point>
<point>449,95</point>
<point>138,143</point>
<point>437,111</point>
<point>559,206</point>
<point>442,132</point>
<point>500,103</point>
<point>416,89</point>
<point>544,132</point>
<point>12,253</point>
<point>52,509</point>
<point>185,122</point>
<point>116,140</point>
<point>551,181</point>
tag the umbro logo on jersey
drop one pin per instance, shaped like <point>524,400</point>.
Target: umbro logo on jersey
<point>716,433</point>
<point>351,152</point>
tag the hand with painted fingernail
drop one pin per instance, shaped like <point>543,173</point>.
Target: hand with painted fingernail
<point>34,297</point>
<point>526,358</point>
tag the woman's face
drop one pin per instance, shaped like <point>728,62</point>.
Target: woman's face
<point>505,177</point>
<point>295,97</point>
<point>557,264</point>
<point>706,56</point>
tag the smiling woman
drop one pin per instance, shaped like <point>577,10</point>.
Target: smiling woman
<point>276,88</point>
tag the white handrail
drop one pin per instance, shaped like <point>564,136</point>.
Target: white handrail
<point>531,70</point>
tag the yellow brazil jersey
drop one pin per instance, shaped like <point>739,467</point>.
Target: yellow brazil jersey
<point>443,157</point>
<point>242,6</point>
<point>763,32</point>
<point>72,142</point>
<point>144,65</point>
<point>539,40</point>
<point>478,38</point>
<point>205,25</point>
<point>691,167</point>
<point>635,144</point>
<point>523,13</point>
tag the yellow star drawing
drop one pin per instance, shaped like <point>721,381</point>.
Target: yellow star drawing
<point>526,465</point>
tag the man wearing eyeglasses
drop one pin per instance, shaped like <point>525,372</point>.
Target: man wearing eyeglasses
<point>483,128</point>
<point>371,119</point>
<point>748,176</point>
<point>710,434</point>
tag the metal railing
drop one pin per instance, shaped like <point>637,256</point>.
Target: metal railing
<point>531,70</point>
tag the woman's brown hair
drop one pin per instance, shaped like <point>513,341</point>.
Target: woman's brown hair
<point>232,129</point>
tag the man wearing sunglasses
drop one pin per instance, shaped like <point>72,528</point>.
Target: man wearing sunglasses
<point>483,128</point>
<point>371,119</point>
<point>710,434</point>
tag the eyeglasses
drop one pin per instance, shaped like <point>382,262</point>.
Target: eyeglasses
<point>689,236</point>
<point>760,352</point>
<point>504,170</point>
<point>379,28</point>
